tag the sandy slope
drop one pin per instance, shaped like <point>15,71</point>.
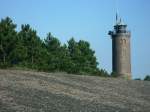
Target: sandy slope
<point>28,91</point>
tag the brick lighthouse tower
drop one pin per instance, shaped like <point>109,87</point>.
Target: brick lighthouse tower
<point>121,59</point>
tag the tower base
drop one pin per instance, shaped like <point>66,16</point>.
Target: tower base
<point>125,76</point>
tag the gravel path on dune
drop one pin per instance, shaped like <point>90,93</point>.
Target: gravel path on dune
<point>28,91</point>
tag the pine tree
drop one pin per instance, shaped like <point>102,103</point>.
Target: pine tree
<point>53,46</point>
<point>7,40</point>
<point>82,57</point>
<point>31,44</point>
<point>26,49</point>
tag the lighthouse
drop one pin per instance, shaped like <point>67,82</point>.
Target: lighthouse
<point>121,53</point>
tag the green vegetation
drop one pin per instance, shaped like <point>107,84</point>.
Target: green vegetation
<point>25,49</point>
<point>137,79</point>
<point>113,74</point>
<point>147,78</point>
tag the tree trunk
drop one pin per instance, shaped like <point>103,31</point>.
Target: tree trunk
<point>32,59</point>
<point>4,54</point>
<point>4,58</point>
